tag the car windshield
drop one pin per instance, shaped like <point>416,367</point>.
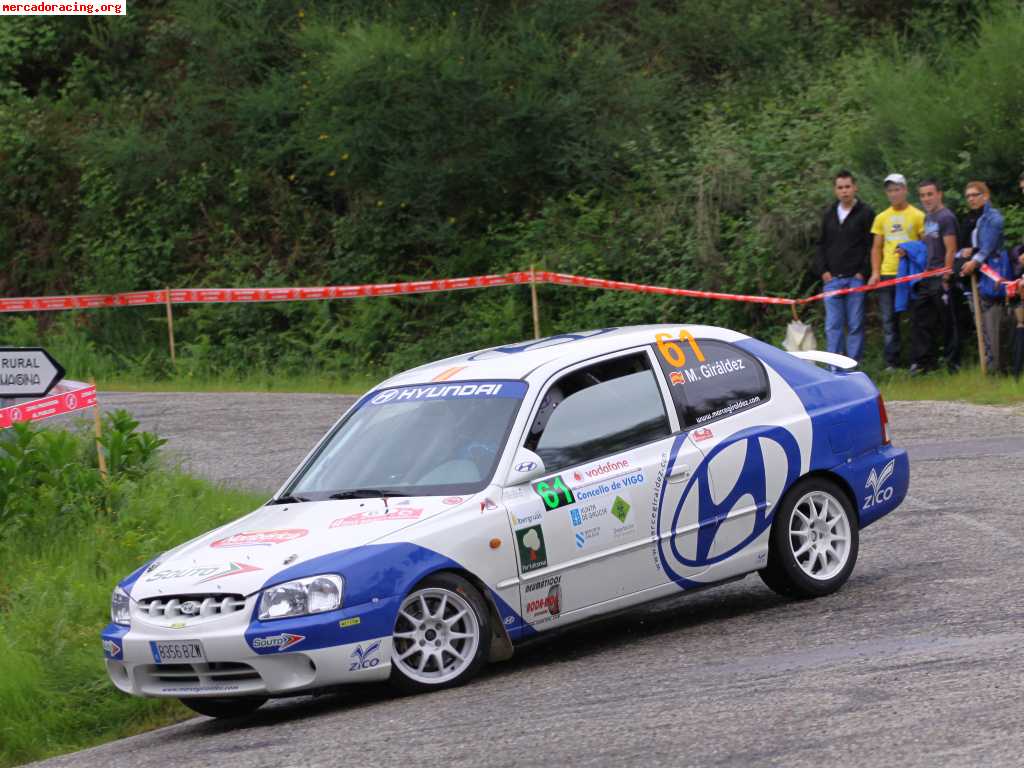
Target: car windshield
<point>423,440</point>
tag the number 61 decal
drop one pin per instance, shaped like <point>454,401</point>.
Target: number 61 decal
<point>672,350</point>
<point>554,492</point>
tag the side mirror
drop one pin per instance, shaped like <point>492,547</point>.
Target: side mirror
<point>525,466</point>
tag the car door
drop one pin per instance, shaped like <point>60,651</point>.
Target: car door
<point>586,530</point>
<point>750,452</point>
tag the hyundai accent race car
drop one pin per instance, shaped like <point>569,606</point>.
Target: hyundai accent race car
<point>468,505</point>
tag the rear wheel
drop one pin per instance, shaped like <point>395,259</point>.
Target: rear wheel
<point>224,708</point>
<point>814,540</point>
<point>442,635</point>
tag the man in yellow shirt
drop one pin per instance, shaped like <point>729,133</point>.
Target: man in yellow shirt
<point>897,224</point>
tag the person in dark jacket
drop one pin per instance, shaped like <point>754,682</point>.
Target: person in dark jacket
<point>843,260</point>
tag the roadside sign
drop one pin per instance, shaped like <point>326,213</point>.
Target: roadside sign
<point>27,372</point>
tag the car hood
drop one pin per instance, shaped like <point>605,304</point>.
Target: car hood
<point>243,556</point>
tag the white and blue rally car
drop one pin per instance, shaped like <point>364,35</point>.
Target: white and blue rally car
<point>467,505</point>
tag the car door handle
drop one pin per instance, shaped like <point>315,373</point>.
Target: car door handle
<point>679,473</point>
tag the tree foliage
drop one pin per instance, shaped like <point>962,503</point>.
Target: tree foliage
<point>285,143</point>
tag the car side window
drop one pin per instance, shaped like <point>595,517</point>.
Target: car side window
<point>598,410</point>
<point>711,379</point>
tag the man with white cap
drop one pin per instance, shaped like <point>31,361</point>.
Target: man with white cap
<point>897,224</point>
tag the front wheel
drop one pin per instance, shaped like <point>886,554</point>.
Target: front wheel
<point>224,708</point>
<point>442,635</point>
<point>814,540</point>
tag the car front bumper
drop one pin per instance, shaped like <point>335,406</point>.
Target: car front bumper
<point>245,657</point>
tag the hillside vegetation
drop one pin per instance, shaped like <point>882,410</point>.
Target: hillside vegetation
<point>276,142</point>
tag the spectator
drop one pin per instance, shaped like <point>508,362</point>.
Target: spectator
<point>958,321</point>
<point>987,248</point>
<point>897,224</point>
<point>926,308</point>
<point>842,261</point>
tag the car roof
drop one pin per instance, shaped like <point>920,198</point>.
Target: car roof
<point>519,360</point>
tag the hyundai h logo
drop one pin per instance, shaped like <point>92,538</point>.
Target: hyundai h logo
<point>747,487</point>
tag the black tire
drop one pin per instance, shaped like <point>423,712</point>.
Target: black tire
<point>460,672</point>
<point>784,573</point>
<point>225,708</point>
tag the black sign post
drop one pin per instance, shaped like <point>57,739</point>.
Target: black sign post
<point>27,372</point>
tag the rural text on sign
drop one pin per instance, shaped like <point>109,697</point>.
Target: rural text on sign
<point>27,372</point>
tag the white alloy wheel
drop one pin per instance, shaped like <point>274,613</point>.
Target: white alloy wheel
<point>436,638</point>
<point>819,535</point>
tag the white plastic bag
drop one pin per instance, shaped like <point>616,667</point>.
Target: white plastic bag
<point>799,338</point>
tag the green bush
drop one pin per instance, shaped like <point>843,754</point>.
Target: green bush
<point>67,538</point>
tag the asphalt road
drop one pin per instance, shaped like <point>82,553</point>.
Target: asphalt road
<point>917,661</point>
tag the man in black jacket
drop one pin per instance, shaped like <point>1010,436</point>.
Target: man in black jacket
<point>842,261</point>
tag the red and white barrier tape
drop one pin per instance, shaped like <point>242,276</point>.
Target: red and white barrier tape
<point>246,295</point>
<point>1012,286</point>
<point>44,408</point>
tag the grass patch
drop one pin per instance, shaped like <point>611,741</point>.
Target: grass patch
<point>57,570</point>
<point>967,385</point>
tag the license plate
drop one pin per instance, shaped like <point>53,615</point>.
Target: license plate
<point>177,651</point>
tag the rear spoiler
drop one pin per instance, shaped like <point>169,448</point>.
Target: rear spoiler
<point>828,358</point>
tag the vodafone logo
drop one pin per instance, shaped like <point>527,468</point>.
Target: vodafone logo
<point>605,469</point>
<point>260,538</point>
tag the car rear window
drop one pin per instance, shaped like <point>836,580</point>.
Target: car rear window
<point>710,379</point>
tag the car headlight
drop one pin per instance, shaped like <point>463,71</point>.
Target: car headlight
<point>120,605</point>
<point>315,594</point>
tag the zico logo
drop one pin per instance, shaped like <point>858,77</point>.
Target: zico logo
<point>260,538</point>
<point>364,657</point>
<point>554,492</point>
<point>281,642</point>
<point>207,572</point>
<point>750,482</point>
<point>445,391</point>
<point>876,480</point>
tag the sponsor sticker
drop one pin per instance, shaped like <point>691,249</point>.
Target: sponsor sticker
<point>377,516</point>
<point>543,599</point>
<point>704,433</point>
<point>620,508</point>
<point>260,538</point>
<point>111,649</point>
<point>351,622</point>
<point>585,513</point>
<point>586,536</point>
<point>878,491</point>
<point>452,500</point>
<point>281,642</point>
<point>532,552</point>
<point>365,658</point>
<point>205,573</point>
<point>554,492</point>
<point>415,394</point>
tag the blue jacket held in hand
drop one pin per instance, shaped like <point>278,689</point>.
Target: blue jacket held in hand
<point>913,263</point>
